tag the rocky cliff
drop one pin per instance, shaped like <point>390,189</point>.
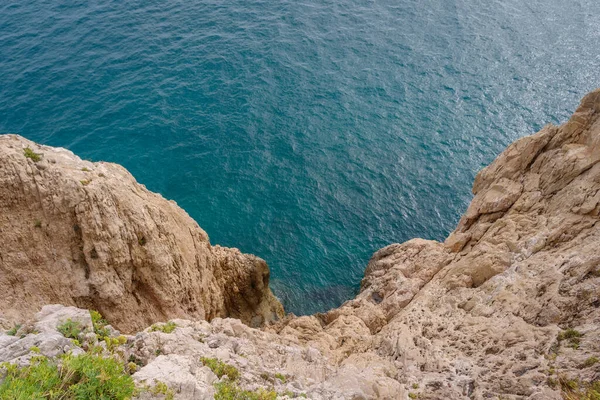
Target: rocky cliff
<point>508,307</point>
<point>87,234</point>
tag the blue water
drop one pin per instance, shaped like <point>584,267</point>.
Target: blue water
<point>311,132</point>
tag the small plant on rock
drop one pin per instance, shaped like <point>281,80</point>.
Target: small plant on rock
<point>576,390</point>
<point>572,336</point>
<point>228,390</point>
<point>162,388</point>
<point>29,153</point>
<point>220,368</point>
<point>70,329</point>
<point>99,325</point>
<point>165,328</point>
<point>281,377</point>
<point>590,362</point>
<point>113,343</point>
<point>13,331</point>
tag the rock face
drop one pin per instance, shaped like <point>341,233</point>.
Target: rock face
<point>87,234</point>
<point>480,316</point>
<point>508,307</point>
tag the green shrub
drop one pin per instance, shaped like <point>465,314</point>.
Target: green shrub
<point>113,343</point>
<point>99,377</point>
<point>220,368</point>
<point>281,377</point>
<point>29,153</point>
<point>228,390</point>
<point>70,329</point>
<point>85,376</point>
<point>165,328</point>
<point>13,331</point>
<point>569,334</point>
<point>99,325</point>
<point>162,388</point>
<point>573,336</point>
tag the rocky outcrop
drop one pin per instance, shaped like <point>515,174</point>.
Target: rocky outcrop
<point>508,307</point>
<point>87,234</point>
<point>486,314</point>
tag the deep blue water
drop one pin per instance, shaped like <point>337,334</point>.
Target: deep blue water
<point>311,132</point>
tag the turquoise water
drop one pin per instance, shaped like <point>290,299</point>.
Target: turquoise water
<point>310,133</point>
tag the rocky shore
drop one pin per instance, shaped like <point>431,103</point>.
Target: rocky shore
<point>508,307</point>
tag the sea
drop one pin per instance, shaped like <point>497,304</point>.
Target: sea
<point>308,132</point>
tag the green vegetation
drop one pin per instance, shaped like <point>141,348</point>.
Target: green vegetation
<point>85,376</point>
<point>413,395</point>
<point>13,331</point>
<point>113,343</point>
<point>228,390</point>
<point>415,385</point>
<point>70,329</point>
<point>572,336</point>
<point>281,377</point>
<point>99,324</point>
<point>37,223</point>
<point>84,169</point>
<point>135,360</point>
<point>29,153</point>
<point>220,368</point>
<point>132,367</point>
<point>590,362</point>
<point>575,390</point>
<point>162,388</point>
<point>265,376</point>
<point>85,182</point>
<point>165,328</point>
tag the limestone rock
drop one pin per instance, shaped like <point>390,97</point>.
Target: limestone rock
<point>481,315</point>
<point>87,234</point>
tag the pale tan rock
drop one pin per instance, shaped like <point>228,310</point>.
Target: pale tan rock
<point>478,317</point>
<point>87,234</point>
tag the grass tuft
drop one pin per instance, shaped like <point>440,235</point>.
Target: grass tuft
<point>228,390</point>
<point>572,336</point>
<point>165,328</point>
<point>220,368</point>
<point>29,153</point>
<point>13,331</point>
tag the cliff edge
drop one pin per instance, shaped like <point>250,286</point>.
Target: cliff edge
<point>87,234</point>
